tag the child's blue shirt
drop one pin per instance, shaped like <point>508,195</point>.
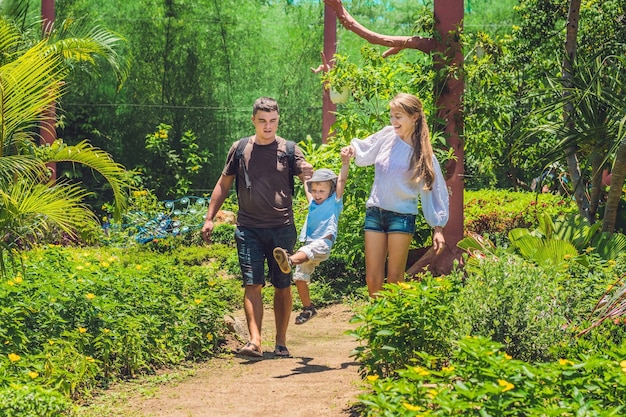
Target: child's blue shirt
<point>322,219</point>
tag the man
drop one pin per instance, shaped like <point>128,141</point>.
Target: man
<point>264,220</point>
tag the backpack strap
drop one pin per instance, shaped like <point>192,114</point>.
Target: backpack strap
<point>291,158</point>
<point>239,159</point>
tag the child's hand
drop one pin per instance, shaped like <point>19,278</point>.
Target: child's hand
<point>347,152</point>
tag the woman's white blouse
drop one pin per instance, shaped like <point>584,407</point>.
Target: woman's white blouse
<point>393,190</point>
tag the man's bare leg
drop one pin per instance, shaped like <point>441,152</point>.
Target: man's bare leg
<point>283,303</point>
<point>253,307</point>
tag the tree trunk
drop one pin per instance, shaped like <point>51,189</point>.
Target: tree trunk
<point>568,109</point>
<point>618,175</point>
<point>448,54</point>
<point>597,161</point>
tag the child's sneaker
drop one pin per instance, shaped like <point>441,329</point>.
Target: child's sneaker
<point>282,259</point>
<point>306,314</point>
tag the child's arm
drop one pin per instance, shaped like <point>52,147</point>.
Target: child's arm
<point>343,174</point>
<point>309,197</point>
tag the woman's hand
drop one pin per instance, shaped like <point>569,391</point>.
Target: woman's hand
<point>439,242</point>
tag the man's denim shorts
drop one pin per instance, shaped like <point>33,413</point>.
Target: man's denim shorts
<point>379,220</point>
<point>255,245</point>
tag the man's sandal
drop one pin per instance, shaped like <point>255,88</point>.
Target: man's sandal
<point>282,352</point>
<point>250,349</point>
<point>306,315</point>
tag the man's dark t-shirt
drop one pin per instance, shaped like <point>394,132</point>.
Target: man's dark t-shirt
<point>268,201</point>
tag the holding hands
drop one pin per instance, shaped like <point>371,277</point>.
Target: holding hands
<point>347,152</point>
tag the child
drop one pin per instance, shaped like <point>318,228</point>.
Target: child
<point>324,191</point>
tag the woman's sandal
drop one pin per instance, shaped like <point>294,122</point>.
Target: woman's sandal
<point>306,315</point>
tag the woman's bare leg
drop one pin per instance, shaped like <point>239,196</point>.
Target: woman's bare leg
<point>398,246</point>
<point>375,257</point>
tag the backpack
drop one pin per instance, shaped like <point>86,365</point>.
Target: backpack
<point>291,151</point>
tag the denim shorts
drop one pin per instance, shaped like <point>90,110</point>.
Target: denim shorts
<point>255,246</point>
<point>379,220</point>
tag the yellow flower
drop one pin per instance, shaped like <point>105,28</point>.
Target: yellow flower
<point>104,264</point>
<point>138,267</point>
<point>372,378</point>
<point>50,342</point>
<point>197,301</point>
<point>80,267</point>
<point>33,374</point>
<point>623,364</point>
<point>18,279</point>
<point>448,368</point>
<point>506,385</point>
<point>11,283</point>
<point>564,362</point>
<point>209,336</point>
<point>13,357</point>
<point>90,296</point>
<point>105,330</point>
<point>431,393</point>
<point>507,356</point>
<point>82,330</point>
<point>421,371</point>
<point>87,263</point>
<point>89,359</point>
<point>404,285</point>
<point>410,407</point>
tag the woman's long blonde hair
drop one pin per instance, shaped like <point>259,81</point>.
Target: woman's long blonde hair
<point>422,157</point>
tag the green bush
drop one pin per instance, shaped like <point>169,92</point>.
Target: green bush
<point>512,302</point>
<point>33,401</point>
<point>483,380</point>
<point>493,213</point>
<point>80,318</point>
<point>405,319</point>
<point>224,233</point>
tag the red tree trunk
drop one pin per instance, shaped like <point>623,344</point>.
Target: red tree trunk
<point>47,130</point>
<point>330,47</point>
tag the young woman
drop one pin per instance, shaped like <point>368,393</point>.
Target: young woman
<point>405,170</point>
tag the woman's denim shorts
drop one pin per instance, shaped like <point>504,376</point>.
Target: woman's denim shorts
<point>379,220</point>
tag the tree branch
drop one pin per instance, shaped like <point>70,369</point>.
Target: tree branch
<point>395,43</point>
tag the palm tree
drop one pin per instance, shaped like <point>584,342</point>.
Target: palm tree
<point>32,77</point>
<point>596,135</point>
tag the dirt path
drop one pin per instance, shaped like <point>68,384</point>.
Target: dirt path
<point>321,379</point>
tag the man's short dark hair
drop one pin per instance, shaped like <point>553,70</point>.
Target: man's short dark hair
<point>266,104</point>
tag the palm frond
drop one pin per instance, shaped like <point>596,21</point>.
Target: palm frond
<point>15,166</point>
<point>79,43</point>
<point>28,87</point>
<point>98,160</point>
<point>9,38</point>
<point>28,210</point>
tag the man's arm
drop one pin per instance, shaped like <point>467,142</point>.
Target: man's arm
<point>307,172</point>
<point>219,194</point>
